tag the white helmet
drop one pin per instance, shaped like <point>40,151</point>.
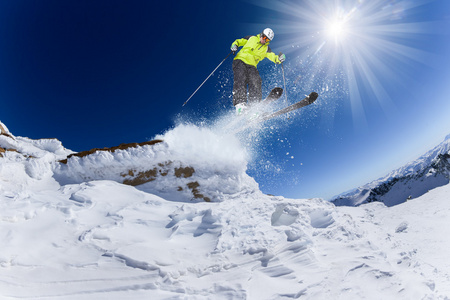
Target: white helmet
<point>269,33</point>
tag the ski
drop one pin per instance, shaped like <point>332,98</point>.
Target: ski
<point>274,94</point>
<point>302,103</point>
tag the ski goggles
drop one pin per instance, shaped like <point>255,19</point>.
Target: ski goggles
<point>265,38</point>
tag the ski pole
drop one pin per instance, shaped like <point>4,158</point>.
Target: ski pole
<point>284,80</point>
<point>206,79</point>
<point>285,90</point>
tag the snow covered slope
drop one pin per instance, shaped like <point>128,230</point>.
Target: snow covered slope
<point>411,181</point>
<point>72,235</point>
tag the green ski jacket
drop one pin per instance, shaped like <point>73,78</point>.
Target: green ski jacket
<point>253,51</point>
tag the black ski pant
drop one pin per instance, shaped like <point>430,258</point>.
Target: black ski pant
<point>246,75</point>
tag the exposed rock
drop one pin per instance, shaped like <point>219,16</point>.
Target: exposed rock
<point>193,186</point>
<point>111,149</point>
<point>141,177</point>
<point>135,178</point>
<point>3,150</point>
<point>184,172</point>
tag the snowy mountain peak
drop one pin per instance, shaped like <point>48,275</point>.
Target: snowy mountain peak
<point>429,171</point>
<point>447,138</point>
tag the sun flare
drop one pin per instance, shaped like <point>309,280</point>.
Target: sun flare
<point>337,30</point>
<point>349,47</point>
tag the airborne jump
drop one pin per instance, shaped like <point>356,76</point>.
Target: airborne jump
<point>247,80</point>
<point>254,49</point>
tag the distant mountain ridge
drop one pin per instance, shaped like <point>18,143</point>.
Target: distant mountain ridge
<point>429,171</point>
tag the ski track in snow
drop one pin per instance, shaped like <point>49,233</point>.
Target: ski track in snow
<point>101,239</point>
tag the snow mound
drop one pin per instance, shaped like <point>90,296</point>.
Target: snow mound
<point>32,148</point>
<point>191,164</point>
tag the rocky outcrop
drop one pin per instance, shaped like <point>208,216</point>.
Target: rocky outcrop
<point>111,149</point>
<point>176,175</point>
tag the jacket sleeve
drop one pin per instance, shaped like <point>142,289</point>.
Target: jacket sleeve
<point>272,56</point>
<point>241,42</point>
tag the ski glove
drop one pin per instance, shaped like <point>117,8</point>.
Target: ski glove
<point>234,48</point>
<point>282,57</point>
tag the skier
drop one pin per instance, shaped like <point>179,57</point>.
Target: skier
<point>254,49</point>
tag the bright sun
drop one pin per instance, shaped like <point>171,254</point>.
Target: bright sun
<point>337,30</point>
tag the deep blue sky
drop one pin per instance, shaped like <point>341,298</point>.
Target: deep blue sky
<point>99,73</point>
